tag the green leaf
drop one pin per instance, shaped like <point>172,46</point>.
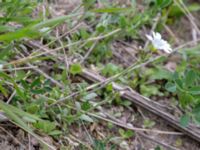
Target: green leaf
<point>99,145</point>
<point>86,106</point>
<point>176,11</point>
<point>6,76</point>
<point>45,126</point>
<point>194,51</point>
<point>184,120</point>
<point>84,34</point>
<point>123,22</point>
<point>20,33</point>
<point>27,119</point>
<point>20,92</point>
<point>196,110</point>
<point>179,84</point>
<point>86,118</point>
<point>6,28</point>
<point>110,69</point>
<point>196,114</point>
<point>5,51</point>
<point>109,88</point>
<point>194,90</point>
<point>32,108</point>
<point>126,134</point>
<point>3,89</point>
<point>158,148</point>
<point>55,132</point>
<point>20,75</point>
<point>163,3</point>
<point>75,69</point>
<point>88,4</point>
<point>171,87</point>
<point>185,99</point>
<point>90,96</point>
<point>158,73</point>
<point>149,90</point>
<point>35,83</point>
<point>190,78</point>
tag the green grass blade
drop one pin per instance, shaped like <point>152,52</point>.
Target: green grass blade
<point>53,21</point>
<point>19,122</point>
<point>24,32</point>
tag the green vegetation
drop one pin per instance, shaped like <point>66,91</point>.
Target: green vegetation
<point>43,92</point>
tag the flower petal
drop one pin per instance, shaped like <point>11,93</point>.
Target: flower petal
<point>158,36</point>
<point>149,37</point>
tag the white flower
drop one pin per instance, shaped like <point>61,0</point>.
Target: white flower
<point>159,43</point>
